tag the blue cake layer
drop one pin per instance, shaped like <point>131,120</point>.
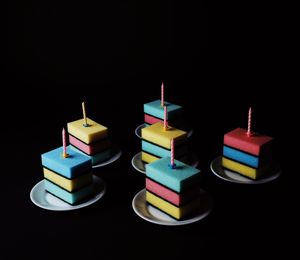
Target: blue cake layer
<point>70,197</point>
<point>154,108</point>
<point>96,158</point>
<point>75,165</point>
<point>240,156</point>
<point>154,149</point>
<point>178,179</point>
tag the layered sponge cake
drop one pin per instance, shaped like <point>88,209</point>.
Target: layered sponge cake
<point>90,140</point>
<point>156,142</point>
<point>68,178</point>
<point>173,191</point>
<point>247,155</point>
<point>154,112</point>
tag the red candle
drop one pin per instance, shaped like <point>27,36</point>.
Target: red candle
<point>165,118</point>
<point>162,94</point>
<point>249,122</point>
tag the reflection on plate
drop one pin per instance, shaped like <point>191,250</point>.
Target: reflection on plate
<point>138,130</point>
<point>40,197</point>
<point>139,165</point>
<point>153,215</point>
<point>219,171</point>
<point>115,155</point>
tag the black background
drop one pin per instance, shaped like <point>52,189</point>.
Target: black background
<point>114,56</point>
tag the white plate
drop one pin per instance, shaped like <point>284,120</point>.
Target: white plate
<point>153,215</point>
<point>139,165</point>
<point>115,155</point>
<point>219,171</point>
<point>138,132</point>
<point>40,197</point>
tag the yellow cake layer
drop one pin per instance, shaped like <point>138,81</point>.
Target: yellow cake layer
<point>176,212</point>
<point>67,184</point>
<point>88,134</point>
<point>243,169</point>
<point>156,134</point>
<point>149,158</point>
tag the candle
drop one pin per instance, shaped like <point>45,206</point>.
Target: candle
<point>165,118</point>
<point>84,115</point>
<point>65,155</point>
<point>162,94</point>
<point>172,164</point>
<point>249,122</point>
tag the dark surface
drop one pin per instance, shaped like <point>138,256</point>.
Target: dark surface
<point>114,58</point>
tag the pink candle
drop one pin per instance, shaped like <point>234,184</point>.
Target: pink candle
<point>64,143</point>
<point>249,122</point>
<point>162,94</point>
<point>165,118</point>
<point>172,152</point>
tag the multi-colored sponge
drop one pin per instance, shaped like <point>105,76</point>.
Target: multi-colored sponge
<point>91,140</point>
<point>173,191</point>
<point>69,179</point>
<point>249,156</point>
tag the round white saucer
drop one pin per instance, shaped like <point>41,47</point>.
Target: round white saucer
<point>115,155</point>
<point>219,171</point>
<point>138,130</point>
<point>153,215</point>
<point>40,197</point>
<point>139,165</point>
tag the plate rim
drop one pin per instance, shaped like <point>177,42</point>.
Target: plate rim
<point>267,179</point>
<point>93,200</point>
<point>144,172</point>
<point>174,222</point>
<point>110,160</point>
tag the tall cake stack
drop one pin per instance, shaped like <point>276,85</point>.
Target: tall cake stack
<point>173,187</point>
<point>68,175</point>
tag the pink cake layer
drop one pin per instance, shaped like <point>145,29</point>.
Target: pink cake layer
<point>151,119</point>
<point>255,144</point>
<point>89,149</point>
<point>169,195</point>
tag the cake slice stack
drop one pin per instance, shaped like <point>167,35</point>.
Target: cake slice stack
<point>249,156</point>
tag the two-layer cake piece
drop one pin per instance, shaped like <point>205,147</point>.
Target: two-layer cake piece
<point>90,138</point>
<point>248,155</point>
<point>67,177</point>
<point>175,191</point>
<point>156,142</point>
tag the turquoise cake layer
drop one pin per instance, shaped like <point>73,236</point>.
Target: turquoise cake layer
<point>154,108</point>
<point>96,158</point>
<point>70,197</point>
<point>73,166</point>
<point>240,156</point>
<point>178,179</point>
<point>162,152</point>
